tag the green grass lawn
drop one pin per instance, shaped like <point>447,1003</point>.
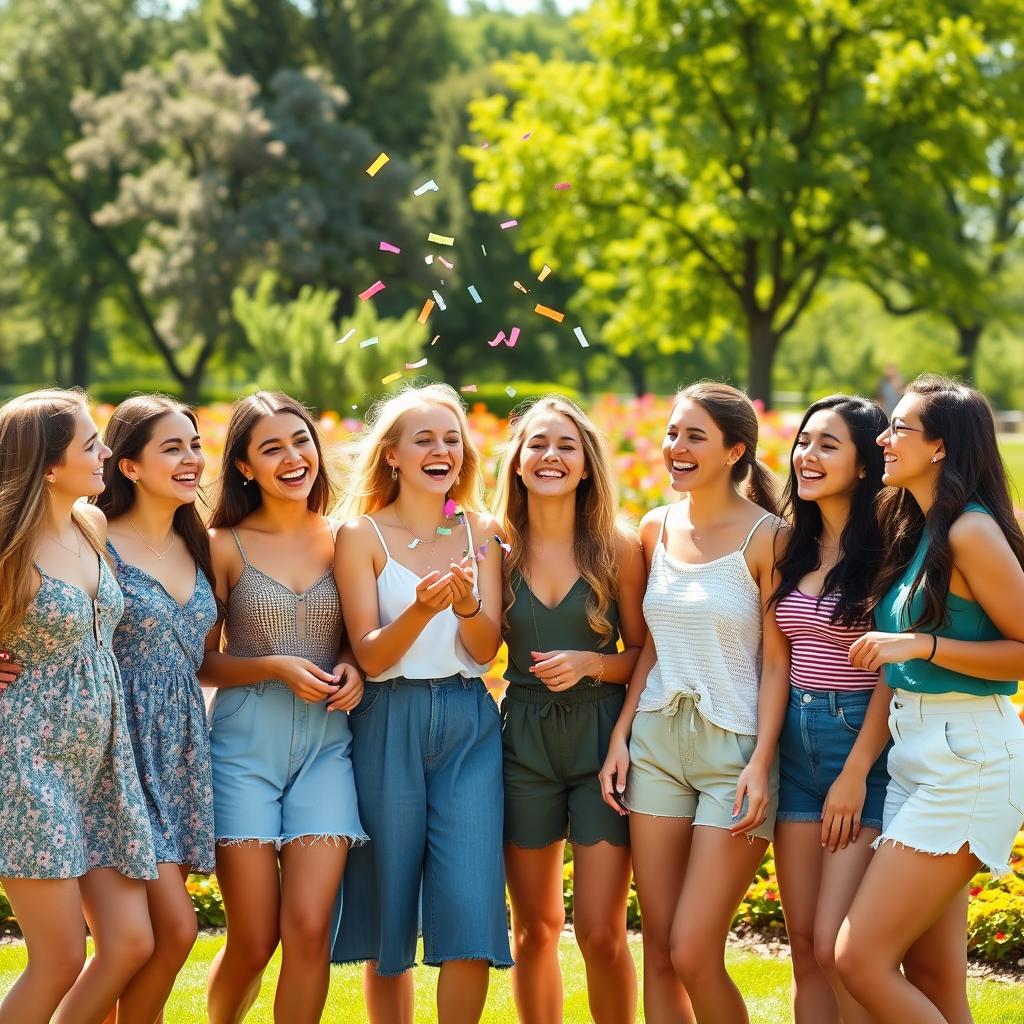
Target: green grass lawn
<point>764,982</point>
<point>1012,448</point>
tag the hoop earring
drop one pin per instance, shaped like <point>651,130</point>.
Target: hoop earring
<point>394,472</point>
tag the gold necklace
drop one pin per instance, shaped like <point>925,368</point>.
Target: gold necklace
<point>77,552</point>
<point>158,554</point>
<point>416,540</point>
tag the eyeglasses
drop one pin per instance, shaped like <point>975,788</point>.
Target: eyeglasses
<point>902,429</point>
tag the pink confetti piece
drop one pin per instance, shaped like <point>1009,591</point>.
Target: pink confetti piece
<point>474,294</point>
<point>427,186</point>
<point>551,314</point>
<point>388,247</point>
<point>437,338</point>
<point>416,366</point>
<point>377,164</point>
<point>544,271</point>
<point>440,239</point>
<point>391,377</point>
<point>506,224</point>
<point>525,291</point>
<point>377,286</point>
<point>510,341</point>
<point>485,145</point>
<point>481,552</point>
<point>526,136</point>
<point>445,263</point>
<point>425,311</point>
<point>563,186</point>
<point>468,387</point>
<point>578,331</point>
<point>513,337</point>
<point>497,339</point>
<point>345,337</point>
<point>507,548</point>
<point>450,508</point>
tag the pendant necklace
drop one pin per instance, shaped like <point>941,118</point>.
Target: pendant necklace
<point>161,555</point>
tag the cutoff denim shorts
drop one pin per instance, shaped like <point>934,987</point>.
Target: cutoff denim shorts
<point>957,767</point>
<point>818,734</point>
<point>282,767</point>
<point>427,759</point>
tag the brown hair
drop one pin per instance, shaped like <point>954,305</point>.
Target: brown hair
<point>129,431</point>
<point>735,416</point>
<point>235,500</point>
<point>35,431</point>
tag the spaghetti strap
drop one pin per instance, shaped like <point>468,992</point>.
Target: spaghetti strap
<point>753,529</point>
<point>241,550</point>
<point>380,536</point>
<point>472,551</point>
<point>663,530</point>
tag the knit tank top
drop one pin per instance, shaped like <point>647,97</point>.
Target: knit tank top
<point>705,620</point>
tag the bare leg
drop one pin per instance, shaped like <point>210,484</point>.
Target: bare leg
<point>660,848</point>
<point>462,991</point>
<point>389,1000</point>
<point>718,873</point>
<point>601,877</point>
<point>798,864</point>
<point>174,933</point>
<point>49,913</point>
<point>311,871</point>
<point>534,879</point>
<point>904,893</point>
<point>118,916</point>
<point>248,877</point>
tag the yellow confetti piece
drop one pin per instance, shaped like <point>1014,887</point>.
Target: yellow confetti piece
<point>377,164</point>
<point>544,271</point>
<point>425,311</point>
<point>391,377</point>
<point>441,239</point>
<point>547,311</point>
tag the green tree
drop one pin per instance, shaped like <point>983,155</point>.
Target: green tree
<point>719,157</point>
<point>256,37</point>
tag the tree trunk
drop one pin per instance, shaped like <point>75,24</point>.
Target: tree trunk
<point>637,370</point>
<point>80,339</point>
<point>969,335</point>
<point>762,342</point>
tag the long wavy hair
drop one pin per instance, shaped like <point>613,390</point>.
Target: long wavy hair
<point>235,499</point>
<point>371,487</point>
<point>972,470</point>
<point>735,416</point>
<point>128,432</point>
<point>852,578</point>
<point>35,432</point>
<point>596,528</point>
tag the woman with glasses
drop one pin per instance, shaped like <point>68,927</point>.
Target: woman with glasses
<point>950,636</point>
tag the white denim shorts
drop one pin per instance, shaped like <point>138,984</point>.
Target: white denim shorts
<point>957,775</point>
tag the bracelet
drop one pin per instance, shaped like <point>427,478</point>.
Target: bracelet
<point>596,680</point>
<point>935,644</point>
<point>473,614</point>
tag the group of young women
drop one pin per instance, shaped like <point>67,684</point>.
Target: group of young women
<point>676,700</point>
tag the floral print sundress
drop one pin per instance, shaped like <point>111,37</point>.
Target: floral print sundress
<point>159,648</point>
<point>70,798</point>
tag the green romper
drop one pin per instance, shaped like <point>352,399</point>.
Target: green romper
<point>555,743</point>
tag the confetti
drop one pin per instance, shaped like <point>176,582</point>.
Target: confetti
<point>388,247</point>
<point>377,164</point>
<point>525,291</point>
<point>414,544</point>
<point>511,391</point>
<point>437,337</point>
<point>562,186</point>
<point>526,136</point>
<point>506,224</point>
<point>468,387</point>
<point>427,186</point>
<point>474,294</point>
<point>377,286</point>
<point>450,508</point>
<point>428,259</point>
<point>345,337</point>
<point>444,531</point>
<point>481,553</point>
<point>428,305</point>
<point>544,271</point>
<point>440,301</point>
<point>391,377</point>
<point>445,263</point>
<point>486,145</point>
<point>578,331</point>
<point>416,366</point>
<point>504,547</point>
<point>513,337</point>
<point>547,311</point>
<point>441,239</point>
<point>369,342</point>
<point>497,340</point>
<point>483,249</point>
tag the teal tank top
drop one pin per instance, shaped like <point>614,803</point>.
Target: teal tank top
<point>966,620</point>
<point>533,626</point>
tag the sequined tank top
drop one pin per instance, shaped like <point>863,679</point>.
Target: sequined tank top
<point>265,617</point>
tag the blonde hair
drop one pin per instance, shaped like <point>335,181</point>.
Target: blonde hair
<point>35,432</point>
<point>371,486</point>
<point>596,529</point>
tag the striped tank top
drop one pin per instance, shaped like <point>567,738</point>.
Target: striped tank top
<point>819,648</point>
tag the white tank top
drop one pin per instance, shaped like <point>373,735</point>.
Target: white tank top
<point>705,620</point>
<point>437,652</point>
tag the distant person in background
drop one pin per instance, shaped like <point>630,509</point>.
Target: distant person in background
<point>890,388</point>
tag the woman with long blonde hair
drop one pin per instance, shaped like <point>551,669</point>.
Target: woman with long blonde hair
<point>420,571</point>
<point>574,583</point>
<point>74,833</point>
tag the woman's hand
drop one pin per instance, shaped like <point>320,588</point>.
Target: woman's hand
<point>463,576</point>
<point>434,592</point>
<point>873,650</point>
<point>9,670</point>
<point>613,774</point>
<point>350,682</point>
<point>304,679</point>
<point>840,818</point>
<point>752,786</point>
<point>561,670</point>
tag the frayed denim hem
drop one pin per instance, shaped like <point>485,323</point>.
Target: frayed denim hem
<point>240,840</point>
<point>437,961</point>
<point>335,839</point>
<point>994,869</point>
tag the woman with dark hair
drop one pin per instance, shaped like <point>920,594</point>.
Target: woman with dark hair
<point>284,797</point>
<point>700,725</point>
<point>832,779</point>
<point>161,552</point>
<point>75,839</point>
<point>950,635</point>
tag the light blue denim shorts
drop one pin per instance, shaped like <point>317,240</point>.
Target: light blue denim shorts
<point>282,767</point>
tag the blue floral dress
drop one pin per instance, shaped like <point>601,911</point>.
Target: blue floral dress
<point>70,798</point>
<point>159,647</point>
